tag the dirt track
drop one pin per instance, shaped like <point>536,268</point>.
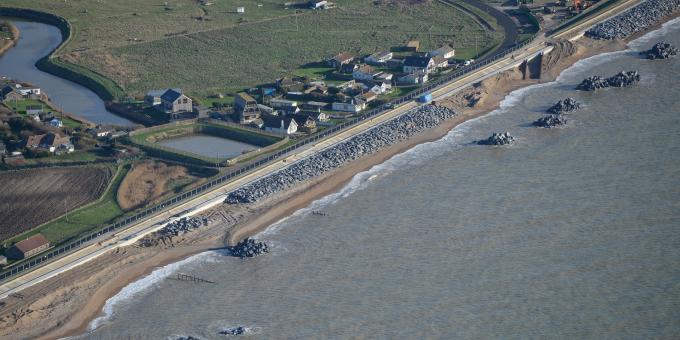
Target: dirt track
<point>32,197</point>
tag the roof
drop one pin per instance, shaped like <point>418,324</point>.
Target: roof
<point>413,43</point>
<point>366,69</point>
<point>414,61</point>
<point>343,56</point>
<point>369,95</point>
<point>34,140</point>
<point>440,60</point>
<point>275,122</point>
<point>444,49</point>
<point>160,92</point>
<point>31,243</point>
<point>53,139</point>
<point>245,97</point>
<point>381,54</point>
<point>171,95</point>
<point>34,107</point>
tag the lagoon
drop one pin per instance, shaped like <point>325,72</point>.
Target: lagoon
<point>208,146</point>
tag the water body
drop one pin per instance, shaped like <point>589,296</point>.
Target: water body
<point>209,146</point>
<point>36,40</point>
<point>571,233</point>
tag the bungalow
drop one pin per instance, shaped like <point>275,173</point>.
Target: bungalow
<point>280,125</point>
<point>304,123</point>
<point>418,64</point>
<point>379,58</point>
<point>444,52</point>
<point>340,59</point>
<point>349,68</point>
<point>34,109</point>
<point>28,247</point>
<point>381,87</point>
<point>285,83</point>
<point>246,107</point>
<point>368,96</point>
<point>153,97</point>
<point>318,4</point>
<point>318,116</point>
<point>56,123</point>
<point>414,78</point>
<point>317,106</point>
<point>383,77</point>
<point>11,96</point>
<point>101,131</point>
<point>24,91</point>
<point>51,142</point>
<point>318,89</point>
<point>440,62</point>
<point>352,105</point>
<point>174,102</point>
<point>364,73</point>
<point>285,106</point>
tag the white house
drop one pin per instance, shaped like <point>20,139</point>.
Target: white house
<point>413,78</point>
<point>56,123</point>
<point>379,58</point>
<point>444,52</point>
<point>240,9</point>
<point>354,105</point>
<point>364,73</point>
<point>27,90</point>
<point>383,77</point>
<point>381,87</point>
<point>318,4</point>
<point>418,64</point>
<point>34,109</point>
<point>280,125</point>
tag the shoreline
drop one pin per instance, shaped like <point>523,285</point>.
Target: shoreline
<point>284,204</point>
<point>13,41</point>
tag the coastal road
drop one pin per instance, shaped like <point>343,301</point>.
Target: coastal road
<point>217,196</point>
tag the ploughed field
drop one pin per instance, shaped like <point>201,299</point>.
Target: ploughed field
<point>32,197</point>
<point>143,44</point>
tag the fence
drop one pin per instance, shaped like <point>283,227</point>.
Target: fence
<point>32,262</point>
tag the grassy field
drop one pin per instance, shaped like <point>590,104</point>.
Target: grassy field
<point>19,106</point>
<point>208,49</point>
<point>31,197</point>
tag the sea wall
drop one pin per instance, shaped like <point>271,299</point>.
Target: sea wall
<point>634,20</point>
<point>369,142</point>
<point>104,87</point>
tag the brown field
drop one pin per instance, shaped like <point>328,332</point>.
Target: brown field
<point>148,181</point>
<point>31,197</point>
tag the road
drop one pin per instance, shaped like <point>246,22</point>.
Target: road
<point>217,196</point>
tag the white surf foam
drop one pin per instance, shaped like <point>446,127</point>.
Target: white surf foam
<point>142,285</point>
<point>644,42</point>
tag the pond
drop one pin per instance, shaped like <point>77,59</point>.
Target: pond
<point>36,40</point>
<point>208,146</point>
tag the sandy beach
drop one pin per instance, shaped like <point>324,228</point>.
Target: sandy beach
<point>65,305</point>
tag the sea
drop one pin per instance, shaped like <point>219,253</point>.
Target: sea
<point>571,232</point>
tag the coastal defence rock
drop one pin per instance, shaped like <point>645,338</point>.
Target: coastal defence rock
<point>248,248</point>
<point>369,142</point>
<point>621,79</point>
<point>564,106</point>
<point>550,121</point>
<point>233,331</point>
<point>660,50</point>
<point>503,138</point>
<point>172,229</point>
<point>634,20</point>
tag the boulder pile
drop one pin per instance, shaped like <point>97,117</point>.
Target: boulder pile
<point>171,230</point>
<point>248,248</point>
<point>621,79</point>
<point>634,20</point>
<point>369,142</point>
<point>502,138</point>
<point>238,330</point>
<point>551,121</point>
<point>564,106</point>
<point>661,50</point>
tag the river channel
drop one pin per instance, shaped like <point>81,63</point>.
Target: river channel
<point>37,40</point>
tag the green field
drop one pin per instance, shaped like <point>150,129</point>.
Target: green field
<point>210,49</point>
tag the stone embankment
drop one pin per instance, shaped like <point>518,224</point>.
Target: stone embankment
<point>661,50</point>
<point>238,330</point>
<point>634,20</point>
<point>172,229</point>
<point>621,79</point>
<point>248,248</point>
<point>564,106</point>
<point>551,121</point>
<point>503,138</point>
<point>369,142</point>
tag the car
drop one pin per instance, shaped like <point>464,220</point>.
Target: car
<point>388,106</point>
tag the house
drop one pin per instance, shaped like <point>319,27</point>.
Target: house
<point>414,78</point>
<point>280,125</point>
<point>101,131</point>
<point>174,102</point>
<point>11,96</point>
<point>368,96</point>
<point>340,59</point>
<point>318,4</point>
<point>364,73</point>
<point>381,87</point>
<point>56,123</point>
<point>440,62</point>
<point>34,116</point>
<point>153,97</point>
<point>352,105</point>
<point>379,58</point>
<point>240,9</point>
<point>256,123</point>
<point>246,107</point>
<point>23,91</point>
<point>316,89</point>
<point>28,247</point>
<point>349,68</point>
<point>444,52</point>
<point>51,142</point>
<point>285,83</point>
<point>384,77</point>
<point>412,46</point>
<point>316,106</point>
<point>266,109</point>
<point>304,123</point>
<point>418,64</point>
<point>286,107</point>
<point>318,116</point>
<point>34,109</point>
<point>395,63</point>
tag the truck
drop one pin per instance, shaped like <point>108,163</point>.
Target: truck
<point>425,98</point>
